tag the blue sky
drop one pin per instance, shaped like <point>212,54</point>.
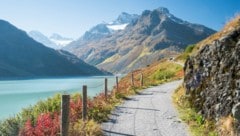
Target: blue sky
<point>72,18</point>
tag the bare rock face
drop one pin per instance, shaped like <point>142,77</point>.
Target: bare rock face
<point>212,77</point>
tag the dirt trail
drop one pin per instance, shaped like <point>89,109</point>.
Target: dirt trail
<point>150,113</point>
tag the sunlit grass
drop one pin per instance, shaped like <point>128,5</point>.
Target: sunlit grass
<point>197,124</point>
<point>230,25</point>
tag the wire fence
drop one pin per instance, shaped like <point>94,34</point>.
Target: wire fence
<point>66,99</point>
<point>96,86</point>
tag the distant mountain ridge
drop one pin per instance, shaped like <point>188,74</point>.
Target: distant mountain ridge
<point>103,30</point>
<point>60,40</point>
<point>21,56</point>
<point>55,41</point>
<point>41,38</point>
<point>125,18</point>
<point>149,37</point>
<point>122,21</point>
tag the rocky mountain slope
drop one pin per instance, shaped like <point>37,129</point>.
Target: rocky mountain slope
<point>212,78</point>
<point>152,36</point>
<point>21,56</point>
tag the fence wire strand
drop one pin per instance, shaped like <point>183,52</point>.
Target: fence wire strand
<point>96,86</point>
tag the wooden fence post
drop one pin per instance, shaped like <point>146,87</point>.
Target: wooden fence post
<point>141,79</point>
<point>106,88</point>
<point>84,103</point>
<point>117,83</point>
<point>116,86</point>
<point>132,79</point>
<point>64,114</point>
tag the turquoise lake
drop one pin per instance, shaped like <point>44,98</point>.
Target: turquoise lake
<point>18,94</point>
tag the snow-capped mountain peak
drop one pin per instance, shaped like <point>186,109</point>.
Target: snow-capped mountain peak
<point>56,36</point>
<point>125,18</point>
<point>55,41</point>
<point>41,38</point>
<point>122,21</point>
<point>60,40</point>
<point>103,29</point>
<point>163,10</point>
<point>117,27</point>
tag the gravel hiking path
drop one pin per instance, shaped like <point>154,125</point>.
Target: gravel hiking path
<point>150,113</point>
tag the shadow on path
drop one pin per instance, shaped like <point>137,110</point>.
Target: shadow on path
<point>121,107</point>
<point>118,133</point>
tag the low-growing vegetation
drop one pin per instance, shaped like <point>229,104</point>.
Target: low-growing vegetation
<point>186,53</point>
<point>166,72</point>
<point>43,118</point>
<point>231,24</point>
<point>197,124</point>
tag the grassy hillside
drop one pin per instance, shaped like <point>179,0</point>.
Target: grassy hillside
<point>228,28</point>
<point>157,73</point>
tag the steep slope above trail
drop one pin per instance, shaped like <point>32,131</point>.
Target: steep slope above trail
<point>154,35</point>
<point>212,75</point>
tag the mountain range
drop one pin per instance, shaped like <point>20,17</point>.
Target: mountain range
<point>55,41</point>
<point>104,29</point>
<point>21,56</point>
<point>125,44</point>
<point>142,40</point>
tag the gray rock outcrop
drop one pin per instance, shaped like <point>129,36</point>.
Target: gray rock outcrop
<point>212,77</point>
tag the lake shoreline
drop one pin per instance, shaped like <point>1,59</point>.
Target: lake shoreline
<point>18,94</point>
<point>48,77</point>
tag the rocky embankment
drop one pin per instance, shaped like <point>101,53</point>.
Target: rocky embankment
<point>212,77</point>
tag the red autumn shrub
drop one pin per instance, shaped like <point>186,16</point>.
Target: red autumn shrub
<point>28,129</point>
<point>75,109</point>
<point>46,125</point>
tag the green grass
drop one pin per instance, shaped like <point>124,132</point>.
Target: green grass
<point>186,53</point>
<point>197,124</point>
<point>166,73</point>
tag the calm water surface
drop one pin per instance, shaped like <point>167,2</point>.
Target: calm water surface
<point>17,94</point>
